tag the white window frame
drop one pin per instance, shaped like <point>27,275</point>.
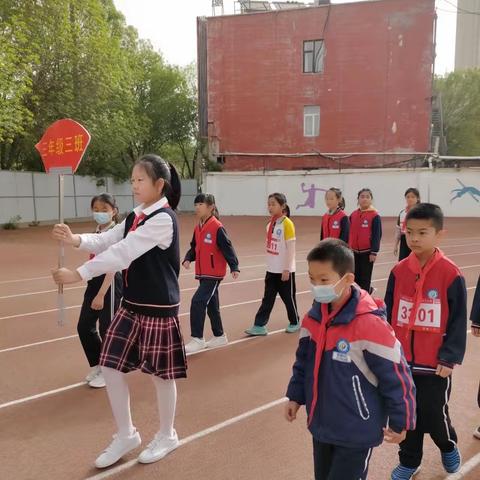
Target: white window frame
<point>311,121</point>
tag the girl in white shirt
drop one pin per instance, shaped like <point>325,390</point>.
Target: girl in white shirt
<point>145,333</point>
<point>280,276</point>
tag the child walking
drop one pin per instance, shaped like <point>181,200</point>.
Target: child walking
<point>97,301</point>
<point>412,197</point>
<point>350,370</point>
<point>427,308</point>
<point>475,318</point>
<point>335,223</point>
<point>280,276</point>
<point>211,250</point>
<point>364,239</point>
<point>145,333</point>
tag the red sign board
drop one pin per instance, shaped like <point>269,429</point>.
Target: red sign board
<point>63,146</point>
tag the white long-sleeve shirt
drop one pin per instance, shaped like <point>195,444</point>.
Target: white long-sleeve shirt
<point>114,253</point>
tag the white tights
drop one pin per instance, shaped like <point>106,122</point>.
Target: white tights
<point>119,396</point>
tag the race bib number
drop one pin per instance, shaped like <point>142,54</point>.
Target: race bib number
<point>429,314</point>
<point>272,247</point>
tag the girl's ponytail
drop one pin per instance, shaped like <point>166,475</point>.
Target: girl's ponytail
<point>174,189</point>
<point>286,210</point>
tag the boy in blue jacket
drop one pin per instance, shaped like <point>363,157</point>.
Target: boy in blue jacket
<point>350,371</point>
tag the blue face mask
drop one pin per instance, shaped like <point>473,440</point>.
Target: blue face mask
<point>326,293</point>
<point>102,218</point>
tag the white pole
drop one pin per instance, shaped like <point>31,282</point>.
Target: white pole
<point>112,299</point>
<point>61,255</point>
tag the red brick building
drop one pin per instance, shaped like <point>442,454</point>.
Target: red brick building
<point>279,89</point>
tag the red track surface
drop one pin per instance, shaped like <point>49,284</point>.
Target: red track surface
<point>58,435</point>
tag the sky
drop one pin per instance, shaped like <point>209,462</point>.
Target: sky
<point>170,25</point>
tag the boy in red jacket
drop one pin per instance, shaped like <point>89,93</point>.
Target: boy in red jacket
<point>427,306</point>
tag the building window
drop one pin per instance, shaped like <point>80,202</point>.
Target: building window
<point>311,121</point>
<point>313,53</point>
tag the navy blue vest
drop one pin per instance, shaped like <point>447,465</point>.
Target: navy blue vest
<point>151,281</point>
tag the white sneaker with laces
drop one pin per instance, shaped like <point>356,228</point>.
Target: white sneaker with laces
<point>117,449</point>
<point>217,341</point>
<point>159,447</point>
<point>93,373</point>
<point>195,345</point>
<point>97,382</point>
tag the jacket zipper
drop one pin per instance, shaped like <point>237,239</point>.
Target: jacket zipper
<point>211,261</point>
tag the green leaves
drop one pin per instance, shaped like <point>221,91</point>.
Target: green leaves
<point>79,59</point>
<point>461,111</point>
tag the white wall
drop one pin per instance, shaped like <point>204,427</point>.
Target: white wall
<point>34,196</point>
<point>246,193</point>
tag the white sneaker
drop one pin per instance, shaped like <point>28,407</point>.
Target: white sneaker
<point>97,382</point>
<point>117,449</point>
<point>217,341</point>
<point>93,373</point>
<point>158,448</point>
<point>195,345</point>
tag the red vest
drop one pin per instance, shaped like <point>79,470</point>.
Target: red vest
<point>209,259</point>
<point>331,224</point>
<point>425,315</point>
<point>361,230</point>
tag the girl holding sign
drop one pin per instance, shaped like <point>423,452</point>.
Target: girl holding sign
<point>145,333</point>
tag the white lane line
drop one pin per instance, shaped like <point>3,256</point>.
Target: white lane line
<point>76,385</point>
<point>41,292</point>
<point>241,340</point>
<point>19,280</point>
<point>196,436</point>
<point>182,290</point>
<point>38,312</point>
<point>40,395</point>
<point>58,339</point>
<point>28,345</point>
<point>466,468</point>
<point>191,274</point>
<point>449,256</point>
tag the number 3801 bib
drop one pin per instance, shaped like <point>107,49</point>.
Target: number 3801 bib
<point>428,318</point>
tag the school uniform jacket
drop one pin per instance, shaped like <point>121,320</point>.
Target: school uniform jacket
<point>146,247</point>
<point>358,381</point>
<point>475,313</point>
<point>335,225</point>
<point>427,308</point>
<point>211,250</point>
<point>365,231</point>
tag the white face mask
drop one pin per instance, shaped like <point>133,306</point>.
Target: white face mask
<point>326,293</point>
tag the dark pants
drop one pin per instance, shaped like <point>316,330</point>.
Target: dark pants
<point>206,300</point>
<point>433,418</point>
<point>332,462</point>
<point>286,290</point>
<point>404,251</point>
<point>363,270</point>
<point>87,323</point>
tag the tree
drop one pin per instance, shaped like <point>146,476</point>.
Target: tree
<point>461,111</point>
<point>79,59</point>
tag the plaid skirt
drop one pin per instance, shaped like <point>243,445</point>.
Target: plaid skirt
<point>152,344</point>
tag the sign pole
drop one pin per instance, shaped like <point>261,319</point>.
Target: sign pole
<point>61,253</point>
<point>62,148</point>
